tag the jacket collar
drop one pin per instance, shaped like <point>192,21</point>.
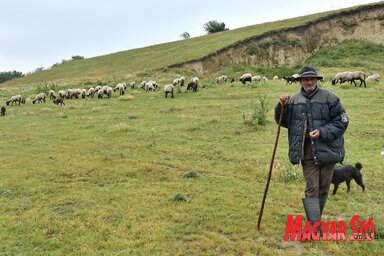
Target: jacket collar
<point>312,94</point>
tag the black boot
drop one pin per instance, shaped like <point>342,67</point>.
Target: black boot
<point>312,209</point>
<point>322,200</point>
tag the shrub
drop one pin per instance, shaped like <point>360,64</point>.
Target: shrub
<point>179,198</point>
<point>190,175</point>
<point>45,87</point>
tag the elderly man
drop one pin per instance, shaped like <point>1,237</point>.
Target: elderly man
<point>316,122</point>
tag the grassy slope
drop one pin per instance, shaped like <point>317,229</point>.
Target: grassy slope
<point>85,179</point>
<point>123,64</point>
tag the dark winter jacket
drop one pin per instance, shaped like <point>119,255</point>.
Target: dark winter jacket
<point>321,110</point>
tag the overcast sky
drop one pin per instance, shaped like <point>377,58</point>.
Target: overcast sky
<point>39,33</point>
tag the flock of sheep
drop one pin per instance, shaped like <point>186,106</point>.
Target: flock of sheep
<point>192,85</point>
<point>348,76</point>
<point>102,91</point>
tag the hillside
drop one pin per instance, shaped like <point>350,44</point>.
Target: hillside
<point>281,43</point>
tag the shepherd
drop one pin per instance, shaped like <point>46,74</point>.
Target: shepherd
<point>316,122</point>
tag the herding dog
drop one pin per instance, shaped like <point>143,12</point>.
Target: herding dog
<point>347,173</point>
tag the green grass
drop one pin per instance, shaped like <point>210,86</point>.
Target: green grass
<point>350,54</point>
<point>125,64</point>
<point>186,177</point>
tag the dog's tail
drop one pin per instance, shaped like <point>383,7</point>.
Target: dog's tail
<point>358,166</point>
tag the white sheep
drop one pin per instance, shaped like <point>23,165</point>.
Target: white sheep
<point>222,78</point>
<point>121,87</point>
<point>359,75</point>
<point>133,85</point>
<point>256,78</point>
<point>341,77</point>
<point>97,88</point>
<point>275,78</point>
<point>62,94</point>
<point>143,83</point>
<point>100,94</point>
<point>153,83</point>
<point>375,77</point>
<point>182,80</point>
<point>149,87</point>
<point>176,81</point>
<point>91,92</point>
<point>347,76</point>
<point>246,78</point>
<point>15,99</point>
<point>73,93</point>
<point>40,98</point>
<point>83,93</point>
<point>169,88</point>
<point>193,84</point>
<point>52,94</point>
<point>109,92</point>
<point>264,78</point>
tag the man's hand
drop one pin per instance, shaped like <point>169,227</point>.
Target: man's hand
<point>284,100</point>
<point>314,134</point>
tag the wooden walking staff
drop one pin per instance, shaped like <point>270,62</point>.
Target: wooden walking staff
<point>271,166</point>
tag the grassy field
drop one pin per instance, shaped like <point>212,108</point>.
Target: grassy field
<point>125,64</point>
<point>186,177</point>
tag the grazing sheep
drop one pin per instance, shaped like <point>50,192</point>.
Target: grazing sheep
<point>153,83</point>
<point>193,84</point>
<point>40,98</point>
<point>246,78</point>
<point>3,109</point>
<point>341,77</point>
<point>143,84</point>
<point>15,99</point>
<point>109,92</point>
<point>73,93</point>
<point>83,93</point>
<point>232,80</point>
<point>121,87</point>
<point>91,92</point>
<point>182,80</point>
<point>375,77</point>
<point>149,87</point>
<point>221,79</point>
<point>176,81</point>
<point>59,101</point>
<point>264,78</point>
<point>359,75</point>
<point>52,94</point>
<point>347,76</point>
<point>76,93</point>
<point>179,81</point>
<point>100,94</point>
<point>133,85</point>
<point>62,94</point>
<point>169,88</point>
<point>256,78</point>
<point>97,88</point>
<point>275,78</point>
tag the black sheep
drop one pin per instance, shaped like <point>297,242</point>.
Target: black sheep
<point>3,109</point>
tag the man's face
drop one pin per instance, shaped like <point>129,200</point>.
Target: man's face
<point>308,84</point>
